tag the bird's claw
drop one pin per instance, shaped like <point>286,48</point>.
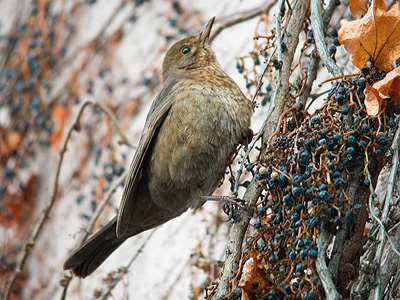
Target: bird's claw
<point>229,206</point>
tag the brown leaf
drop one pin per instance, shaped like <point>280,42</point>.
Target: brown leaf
<point>9,142</point>
<point>59,115</point>
<point>251,273</point>
<point>391,81</point>
<point>18,207</point>
<point>358,8</point>
<point>373,101</point>
<point>374,38</point>
<point>381,90</point>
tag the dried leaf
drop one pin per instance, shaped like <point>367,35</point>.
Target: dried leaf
<point>251,273</point>
<point>9,142</point>
<point>59,115</point>
<point>18,207</point>
<point>390,82</point>
<point>373,101</point>
<point>358,8</point>
<point>381,90</point>
<point>374,38</point>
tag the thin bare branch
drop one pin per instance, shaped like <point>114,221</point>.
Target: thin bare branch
<point>40,225</point>
<point>317,26</point>
<point>237,18</point>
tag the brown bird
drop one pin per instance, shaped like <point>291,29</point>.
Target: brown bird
<point>191,132</point>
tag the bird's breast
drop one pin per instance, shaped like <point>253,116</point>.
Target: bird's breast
<point>198,137</point>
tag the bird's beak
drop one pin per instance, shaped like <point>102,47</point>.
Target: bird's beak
<point>205,31</point>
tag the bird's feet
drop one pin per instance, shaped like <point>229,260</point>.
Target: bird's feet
<point>229,204</point>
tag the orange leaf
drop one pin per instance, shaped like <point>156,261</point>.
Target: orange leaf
<point>381,90</point>
<point>391,81</point>
<point>9,142</point>
<point>358,8</point>
<point>59,115</point>
<point>373,101</point>
<point>374,38</point>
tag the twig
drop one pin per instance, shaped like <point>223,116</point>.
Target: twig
<point>239,228</point>
<point>88,230</point>
<point>317,26</point>
<point>377,290</point>
<point>260,132</point>
<point>114,122</point>
<point>315,59</point>
<point>322,269</point>
<point>39,226</point>
<point>237,18</point>
<point>121,275</point>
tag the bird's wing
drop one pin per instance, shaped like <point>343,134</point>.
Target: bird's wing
<point>158,111</point>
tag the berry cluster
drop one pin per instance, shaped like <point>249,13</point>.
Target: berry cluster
<point>305,173</point>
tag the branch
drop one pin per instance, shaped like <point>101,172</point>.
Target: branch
<point>377,291</point>
<point>319,36</point>
<point>238,229</point>
<point>123,270</point>
<point>237,18</point>
<point>322,269</point>
<point>39,226</point>
<point>89,229</point>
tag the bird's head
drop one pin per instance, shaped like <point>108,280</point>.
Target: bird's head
<point>190,53</point>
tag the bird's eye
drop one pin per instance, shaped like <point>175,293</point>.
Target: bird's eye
<point>185,50</point>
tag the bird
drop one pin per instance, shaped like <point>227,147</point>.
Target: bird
<point>191,132</point>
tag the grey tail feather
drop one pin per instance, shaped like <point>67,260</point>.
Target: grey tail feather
<point>94,251</point>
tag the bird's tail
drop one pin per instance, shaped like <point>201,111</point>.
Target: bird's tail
<point>94,251</point>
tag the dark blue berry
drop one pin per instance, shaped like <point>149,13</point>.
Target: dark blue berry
<point>336,42</point>
<point>296,191</point>
<point>309,143</point>
<point>316,119</point>
<point>314,222</point>
<point>323,187</point>
<point>305,156</point>
<point>332,50</point>
<point>339,182</point>
<point>382,140</point>
<point>278,219</point>
<point>391,123</point>
<point>261,210</point>
<point>295,217</point>
<point>303,253</point>
<point>309,192</point>
<point>238,292</point>
<point>323,194</point>
<point>333,32</point>
<point>357,207</point>
<point>350,150</point>
<point>299,268</point>
<point>173,22</point>
<point>272,259</point>
<point>345,110</point>
<point>351,139</point>
<point>287,199</point>
<point>364,128</point>
<point>297,178</point>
